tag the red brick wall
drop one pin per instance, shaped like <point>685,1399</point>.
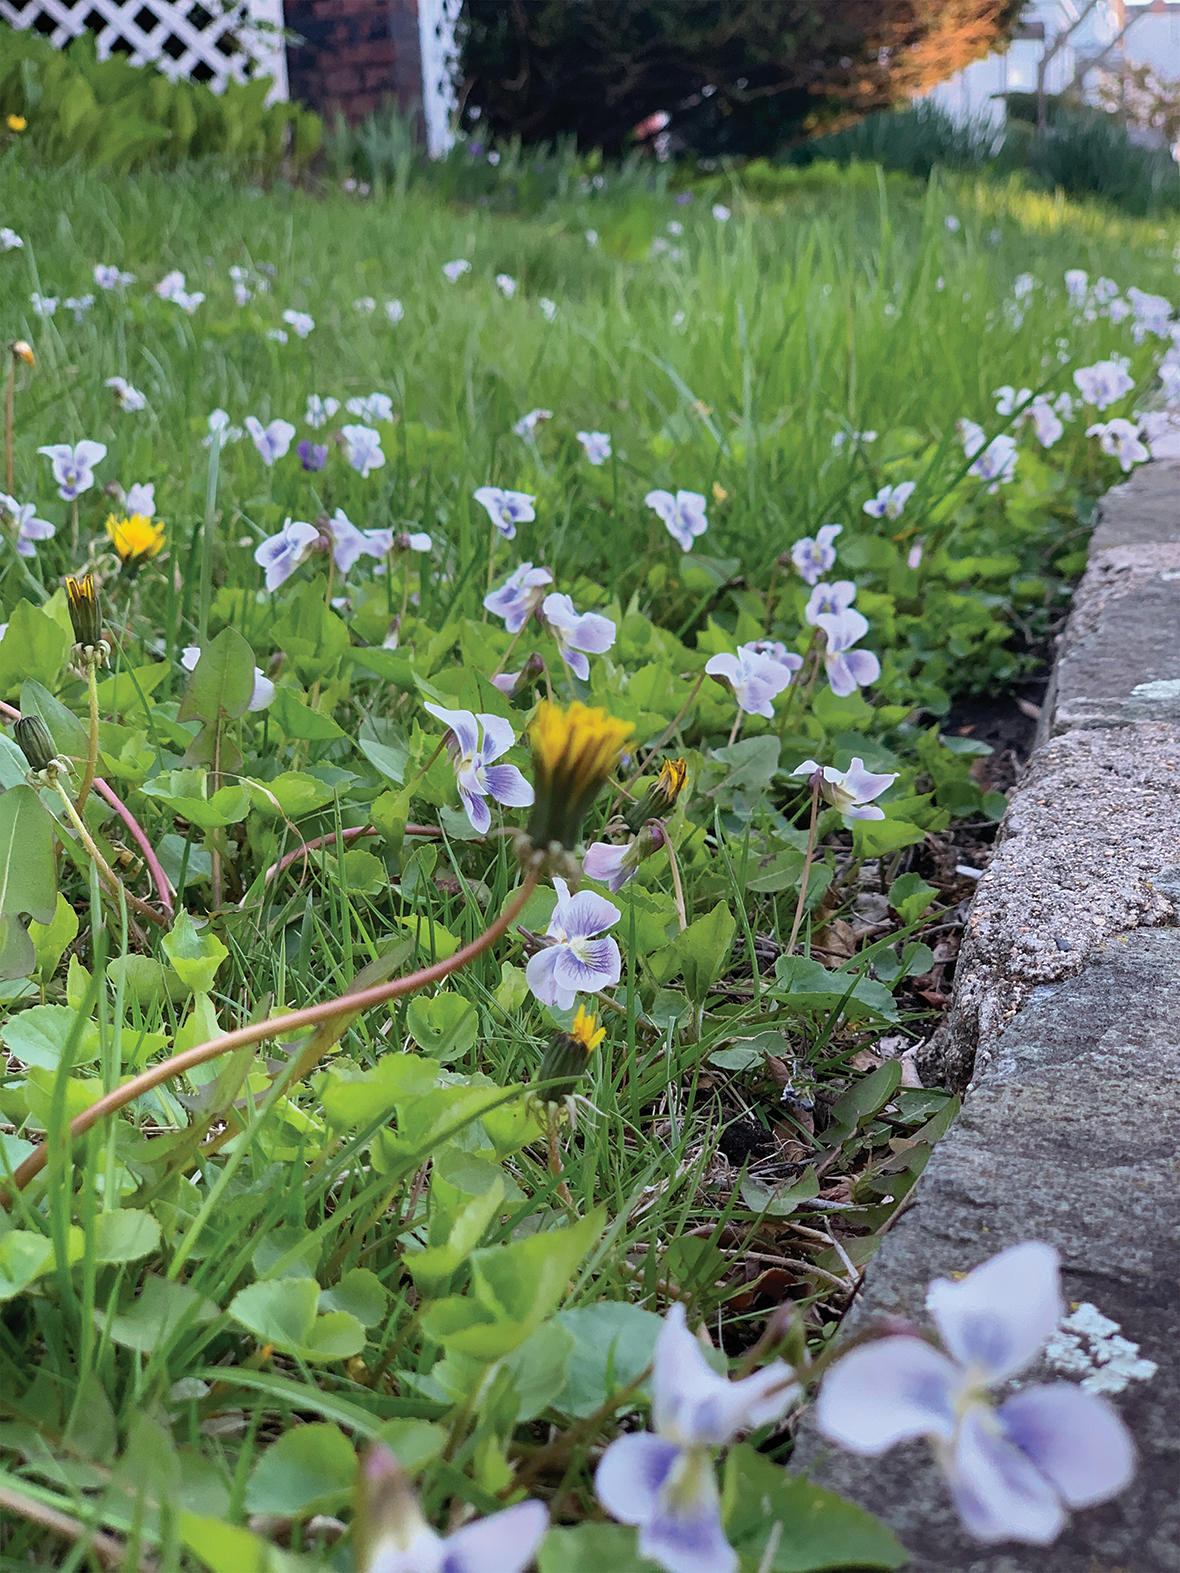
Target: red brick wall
<point>355,54</point>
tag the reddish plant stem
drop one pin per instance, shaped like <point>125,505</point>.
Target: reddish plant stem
<point>352,834</point>
<point>275,1026</point>
<point>139,836</point>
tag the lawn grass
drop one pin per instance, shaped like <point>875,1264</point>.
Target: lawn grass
<point>150,1358</point>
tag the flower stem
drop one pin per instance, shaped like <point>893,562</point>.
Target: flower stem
<point>555,1168</point>
<point>807,860</point>
<point>670,729</point>
<point>104,868</point>
<point>349,1005</point>
<point>92,748</point>
<point>9,423</point>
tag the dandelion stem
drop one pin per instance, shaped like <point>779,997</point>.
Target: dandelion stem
<point>9,423</point>
<point>554,1149</point>
<point>807,859</point>
<point>92,746</point>
<point>349,1005</point>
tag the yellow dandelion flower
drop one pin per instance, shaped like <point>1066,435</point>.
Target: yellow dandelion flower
<point>574,751</point>
<point>567,1056</point>
<point>15,122</point>
<point>136,538</point>
<point>586,1030</point>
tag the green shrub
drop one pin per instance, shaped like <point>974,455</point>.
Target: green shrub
<point>914,141</point>
<point>118,116</point>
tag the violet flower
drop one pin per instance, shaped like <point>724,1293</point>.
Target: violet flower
<point>320,410</point>
<point>505,509</point>
<point>813,557</point>
<point>829,600</point>
<point>579,961</point>
<point>665,1483</point>
<point>1103,383</point>
<point>847,669</point>
<point>595,445</point>
<point>683,514</point>
<point>281,554</point>
<point>851,791</point>
<point>312,455</point>
<point>477,776</point>
<point>890,501</point>
<point>363,448</point>
<point>28,527</point>
<point>1120,438</point>
<point>272,441</point>
<point>351,543</point>
<point>73,468</point>
<point>527,425</point>
<point>371,408</point>
<point>519,596</point>
<point>576,632</point>
<point>141,498</point>
<point>756,679</point>
<point>394,1537</point>
<point>1015,1468</point>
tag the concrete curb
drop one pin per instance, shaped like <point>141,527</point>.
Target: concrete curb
<point>1066,1025</point>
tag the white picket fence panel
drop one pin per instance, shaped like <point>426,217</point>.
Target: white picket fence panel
<point>214,41</point>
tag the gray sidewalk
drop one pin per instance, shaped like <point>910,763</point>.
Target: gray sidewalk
<point>1066,1029</point>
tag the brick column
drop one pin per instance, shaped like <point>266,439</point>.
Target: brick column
<point>355,56</point>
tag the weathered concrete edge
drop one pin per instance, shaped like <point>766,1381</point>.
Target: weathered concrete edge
<point>1068,987</point>
<point>1108,740</point>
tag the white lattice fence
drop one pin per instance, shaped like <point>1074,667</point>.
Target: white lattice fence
<point>211,42</point>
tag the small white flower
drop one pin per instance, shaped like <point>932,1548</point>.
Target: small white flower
<point>9,241</point>
<point>455,270</point>
<point>548,308</point>
<point>43,305</point>
<point>365,304</point>
<point>505,509</point>
<point>721,213</point>
<point>394,311</point>
<point>506,284</point>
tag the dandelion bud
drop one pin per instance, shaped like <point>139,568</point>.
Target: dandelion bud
<point>660,798</point>
<point>86,616</point>
<point>21,349</point>
<point>574,751</point>
<point>35,743</point>
<point>565,1060</point>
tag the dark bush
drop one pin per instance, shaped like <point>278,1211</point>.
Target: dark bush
<point>744,77</point>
